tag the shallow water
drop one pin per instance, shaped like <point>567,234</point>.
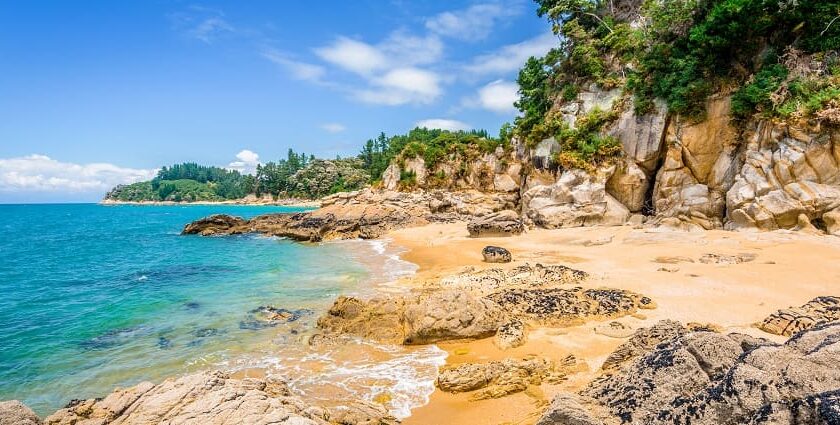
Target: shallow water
<point>95,297</point>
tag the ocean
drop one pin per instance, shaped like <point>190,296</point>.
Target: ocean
<point>93,297</point>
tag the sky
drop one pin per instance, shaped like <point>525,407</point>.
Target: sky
<point>99,93</point>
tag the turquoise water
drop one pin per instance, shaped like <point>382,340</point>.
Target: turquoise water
<point>93,297</point>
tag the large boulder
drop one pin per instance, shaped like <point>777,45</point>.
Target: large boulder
<point>566,409</point>
<point>703,377</point>
<point>14,412</point>
<point>641,135</point>
<point>576,198</point>
<point>502,223</point>
<point>391,177</point>
<point>216,224</point>
<point>203,398</point>
<point>414,319</point>
<point>500,378</point>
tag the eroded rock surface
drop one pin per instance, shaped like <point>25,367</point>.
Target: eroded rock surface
<point>511,334</point>
<point>365,214</point>
<point>204,398</point>
<point>414,319</point>
<point>561,306</point>
<point>675,374</point>
<point>489,280</point>
<point>789,321</point>
<point>500,378</point>
<point>13,412</point>
<point>502,223</point>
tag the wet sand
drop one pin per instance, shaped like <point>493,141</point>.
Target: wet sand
<point>787,269</point>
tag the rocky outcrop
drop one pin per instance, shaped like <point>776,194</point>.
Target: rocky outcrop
<point>559,306</point>
<point>365,214</point>
<point>205,398</point>
<point>787,171</point>
<point>502,223</point>
<point>495,254</point>
<point>14,412</point>
<point>566,409</point>
<point>486,281</point>
<point>792,320</point>
<point>216,224</point>
<point>500,378</point>
<point>416,319</point>
<point>675,374</point>
<point>574,198</point>
<point>510,335</point>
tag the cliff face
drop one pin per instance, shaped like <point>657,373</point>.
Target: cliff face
<point>710,173</point>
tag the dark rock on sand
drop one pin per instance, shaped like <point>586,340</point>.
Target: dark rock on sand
<point>670,374</point>
<point>560,306</point>
<point>269,316</point>
<point>496,254</point>
<point>789,321</point>
<point>512,334</point>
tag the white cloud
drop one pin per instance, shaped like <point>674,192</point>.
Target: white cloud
<point>499,96</point>
<point>298,70</point>
<point>473,23</point>
<point>443,124</point>
<point>353,55</point>
<point>246,162</point>
<point>389,69</point>
<point>40,173</point>
<point>333,127</point>
<point>401,86</point>
<point>511,57</point>
<point>208,29</point>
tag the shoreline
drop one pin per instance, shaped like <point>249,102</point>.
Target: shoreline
<point>302,203</point>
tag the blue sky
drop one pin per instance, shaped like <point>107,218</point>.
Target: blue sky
<point>96,93</point>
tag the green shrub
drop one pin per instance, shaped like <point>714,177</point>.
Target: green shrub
<point>755,96</point>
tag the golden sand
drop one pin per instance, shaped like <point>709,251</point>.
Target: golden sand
<point>788,269</point>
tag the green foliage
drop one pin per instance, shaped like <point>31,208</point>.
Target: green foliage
<point>185,190</point>
<point>756,95</point>
<point>135,192</point>
<point>584,146</point>
<point>809,96</point>
<point>682,51</point>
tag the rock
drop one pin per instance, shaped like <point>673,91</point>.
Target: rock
<point>360,412</point>
<point>415,319</point>
<point>614,330</point>
<point>641,136</point>
<point>787,172</point>
<point>598,241</point>
<point>792,320</point>
<point>636,220</point>
<point>682,376</point>
<point>391,177</point>
<point>200,398</point>
<point>832,222</point>
<point>642,341</point>
<point>502,223</point>
<point>566,409</point>
<point>565,307</point>
<point>365,214</point>
<point>576,198</point>
<point>216,224</point>
<point>495,254</point>
<point>445,315</point>
<point>629,185</point>
<point>14,412</point>
<point>491,280</point>
<point>727,259</point>
<point>803,224</point>
<point>500,378</point>
<point>510,335</point>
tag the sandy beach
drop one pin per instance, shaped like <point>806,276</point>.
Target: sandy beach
<point>783,269</point>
